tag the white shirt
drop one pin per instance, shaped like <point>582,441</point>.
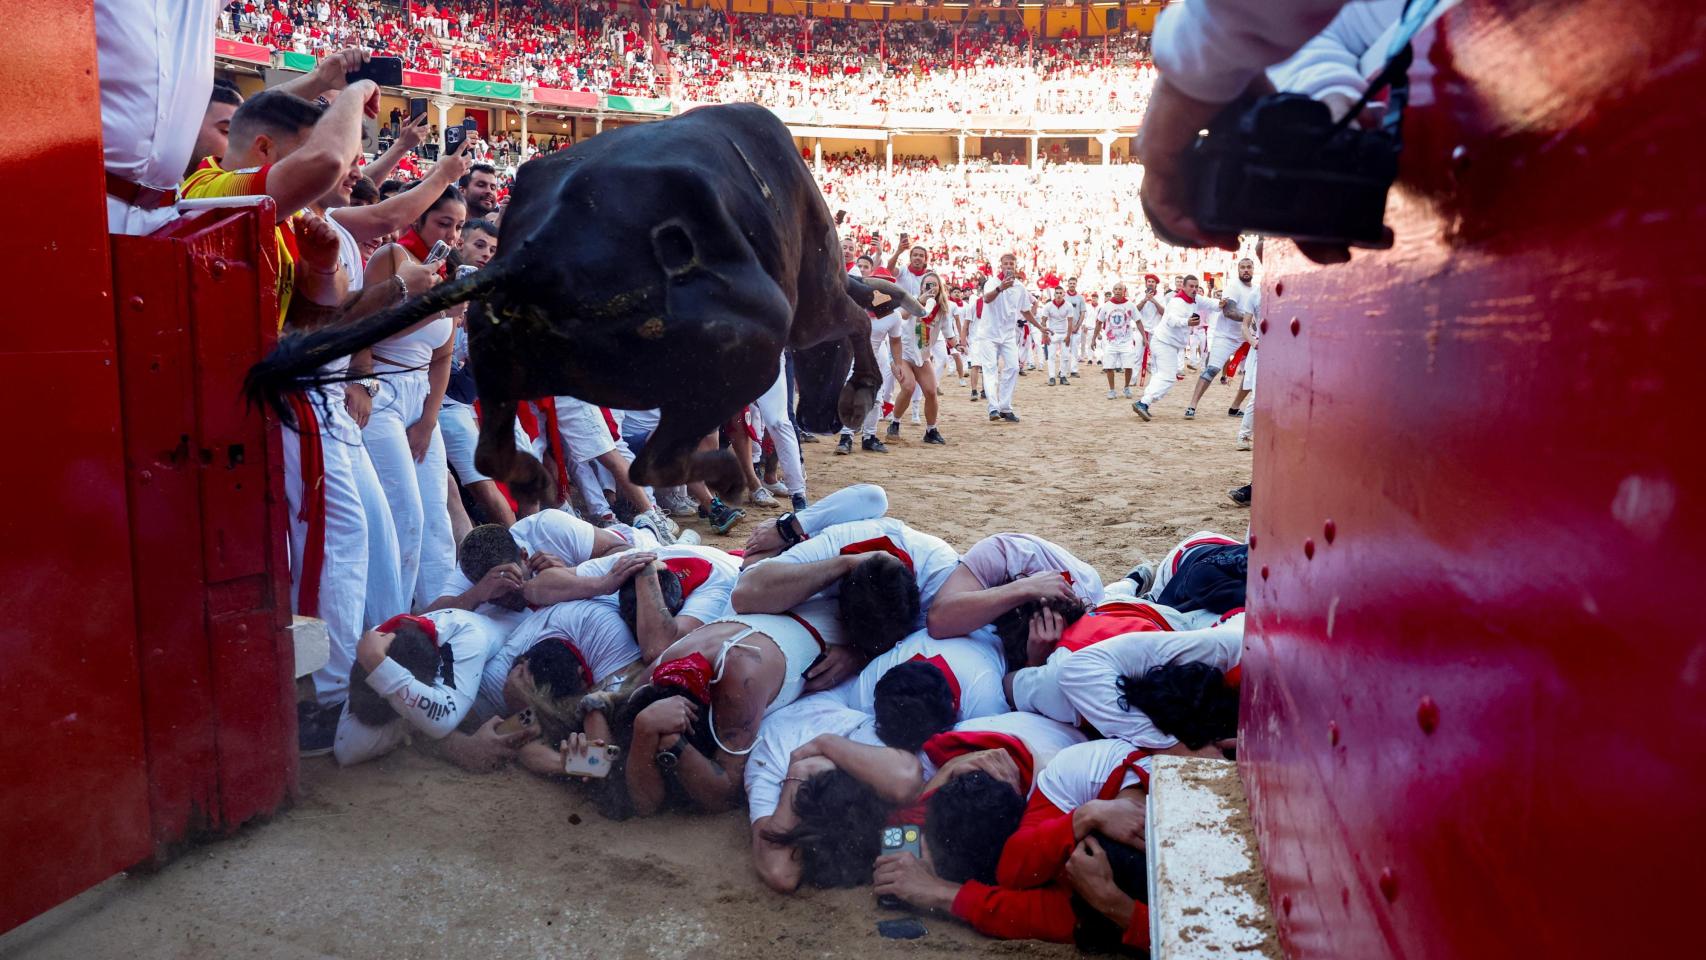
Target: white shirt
<point>1004,557</point>
<point>1175,328</point>
<point>413,351</point>
<point>977,667</point>
<point>1118,323</point>
<point>156,69</point>
<point>1149,314</point>
<point>432,708</point>
<point>551,531</point>
<point>931,559</point>
<point>1042,737</point>
<point>884,328</point>
<point>1248,297</point>
<point>1058,317</point>
<point>1210,50</point>
<point>595,629</point>
<point>1001,316</point>
<point>708,578</point>
<point>1089,676</point>
<point>1077,302</point>
<point>1077,773</point>
<point>789,729</point>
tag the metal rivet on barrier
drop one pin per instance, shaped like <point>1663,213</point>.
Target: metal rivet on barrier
<point>1263,325</point>
<point>1295,326</point>
<point>1388,884</point>
<point>1279,289</point>
<point>1264,571</point>
<point>216,268</point>
<point>1329,530</point>
<point>1285,904</point>
<point>1308,549</point>
<point>1252,541</point>
<point>1332,733</point>
<point>1427,715</point>
<point>136,303</point>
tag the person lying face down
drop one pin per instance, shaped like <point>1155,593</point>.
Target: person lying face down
<point>884,573</point>
<point>723,680</point>
<point>861,501</point>
<point>706,575</point>
<point>1005,571</point>
<point>496,563</point>
<point>923,686</point>
<point>413,675</point>
<point>967,787</point>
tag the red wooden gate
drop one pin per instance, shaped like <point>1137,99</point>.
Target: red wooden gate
<point>1475,716</point>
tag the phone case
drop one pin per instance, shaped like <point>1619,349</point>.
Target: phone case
<point>596,763</point>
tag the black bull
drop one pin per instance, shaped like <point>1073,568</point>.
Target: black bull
<point>659,265</point>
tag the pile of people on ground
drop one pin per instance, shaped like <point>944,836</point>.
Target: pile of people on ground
<point>967,732</point>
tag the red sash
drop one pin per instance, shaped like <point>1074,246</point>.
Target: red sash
<point>313,510</point>
<point>880,545</point>
<point>1231,368</point>
<point>1111,786</point>
<point>1112,620</point>
<point>692,572</point>
<point>554,442</point>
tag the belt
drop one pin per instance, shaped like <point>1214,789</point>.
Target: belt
<point>138,195</point>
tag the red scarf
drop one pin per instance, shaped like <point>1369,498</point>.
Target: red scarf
<point>879,545</point>
<point>1111,786</point>
<point>1116,299</point>
<point>426,625</point>
<point>941,664</point>
<point>917,272</point>
<point>1181,296</point>
<point>412,242</point>
<point>691,571</point>
<point>690,674</point>
<point>547,407</point>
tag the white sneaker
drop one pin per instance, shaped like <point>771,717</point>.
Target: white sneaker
<point>778,488</point>
<point>1110,394</point>
<point>917,417</point>
<point>963,381</point>
<point>688,536</point>
<point>762,497</point>
<point>1243,443</point>
<point>1128,393</point>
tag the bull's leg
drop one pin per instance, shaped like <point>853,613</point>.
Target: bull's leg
<point>495,453</point>
<point>860,392</point>
<point>672,454</point>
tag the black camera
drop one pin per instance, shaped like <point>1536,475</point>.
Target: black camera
<point>1279,165</point>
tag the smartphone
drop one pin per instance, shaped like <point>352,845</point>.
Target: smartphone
<point>440,251</point>
<point>469,124</point>
<point>516,723</point>
<point>596,763</point>
<point>901,839</point>
<point>385,71</point>
<point>905,928</point>
<point>417,108</point>
<point>813,665</point>
<point>454,136</point>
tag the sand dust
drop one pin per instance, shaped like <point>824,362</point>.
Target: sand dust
<point>408,857</point>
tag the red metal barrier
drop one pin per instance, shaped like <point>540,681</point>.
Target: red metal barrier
<point>1474,709</point>
<point>196,308</point>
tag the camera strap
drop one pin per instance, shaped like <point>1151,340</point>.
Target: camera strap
<point>1396,73</point>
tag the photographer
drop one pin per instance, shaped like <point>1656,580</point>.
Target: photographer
<point>1209,52</point>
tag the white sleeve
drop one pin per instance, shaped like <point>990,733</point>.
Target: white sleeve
<point>1037,690</point>
<point>434,709</point>
<point>1210,50</point>
<point>1331,62</point>
<point>710,602</point>
<point>1178,313</point>
<point>1089,682</point>
<point>861,501</point>
<point>556,532</point>
<point>356,742</point>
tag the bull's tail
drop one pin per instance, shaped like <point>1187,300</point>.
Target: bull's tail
<point>295,364</point>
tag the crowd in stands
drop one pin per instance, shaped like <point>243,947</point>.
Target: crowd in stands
<point>703,55</point>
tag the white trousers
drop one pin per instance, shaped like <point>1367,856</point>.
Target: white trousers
<point>1062,357</point>
<point>1165,360</point>
<point>773,410</point>
<point>1005,353</point>
<point>416,491</point>
<point>884,363</point>
<point>343,578</point>
<point>1247,428</point>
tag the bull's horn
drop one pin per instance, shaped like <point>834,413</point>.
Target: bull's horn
<point>886,290</point>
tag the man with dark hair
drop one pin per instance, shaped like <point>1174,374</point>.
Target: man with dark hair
<point>969,686</point>
<point>1004,571</point>
<point>1167,343</point>
<point>480,190</point>
<point>1164,692</point>
<point>821,565</point>
<point>390,188</point>
<point>965,824</point>
<point>494,564</point>
<point>215,132</point>
<point>429,686</point>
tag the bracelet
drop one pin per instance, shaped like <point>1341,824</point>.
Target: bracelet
<point>793,779</point>
<point>402,287</point>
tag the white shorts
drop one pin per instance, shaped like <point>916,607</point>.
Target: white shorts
<point>1220,350</point>
<point>1250,369</point>
<point>1120,358</point>
<point>583,430</point>
<point>910,353</point>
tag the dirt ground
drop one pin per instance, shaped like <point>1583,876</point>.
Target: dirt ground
<point>409,857</point>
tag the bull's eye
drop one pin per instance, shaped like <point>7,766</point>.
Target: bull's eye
<point>674,249</point>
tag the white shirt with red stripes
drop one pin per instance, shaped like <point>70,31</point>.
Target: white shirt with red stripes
<point>976,668</point>
<point>1042,737</point>
<point>1078,773</point>
<point>930,559</point>
<point>1089,678</point>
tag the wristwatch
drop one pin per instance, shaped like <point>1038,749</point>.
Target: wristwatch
<point>371,385</point>
<point>785,529</point>
<point>667,759</point>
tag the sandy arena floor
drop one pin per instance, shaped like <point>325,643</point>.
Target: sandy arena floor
<point>409,857</point>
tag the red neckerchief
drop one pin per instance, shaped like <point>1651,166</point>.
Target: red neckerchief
<point>941,664</point>
<point>586,671</point>
<point>690,674</point>
<point>691,571</point>
<point>412,242</point>
<point>917,272</point>
<point>1181,296</point>
<point>1116,299</point>
<point>427,626</point>
<point>879,545</point>
<point>1111,786</point>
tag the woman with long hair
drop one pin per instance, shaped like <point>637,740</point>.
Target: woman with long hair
<point>915,368</point>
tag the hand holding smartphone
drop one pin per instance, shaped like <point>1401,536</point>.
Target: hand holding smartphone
<point>385,71</point>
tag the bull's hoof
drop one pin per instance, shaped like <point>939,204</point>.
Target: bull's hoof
<point>855,403</point>
<point>720,471</point>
